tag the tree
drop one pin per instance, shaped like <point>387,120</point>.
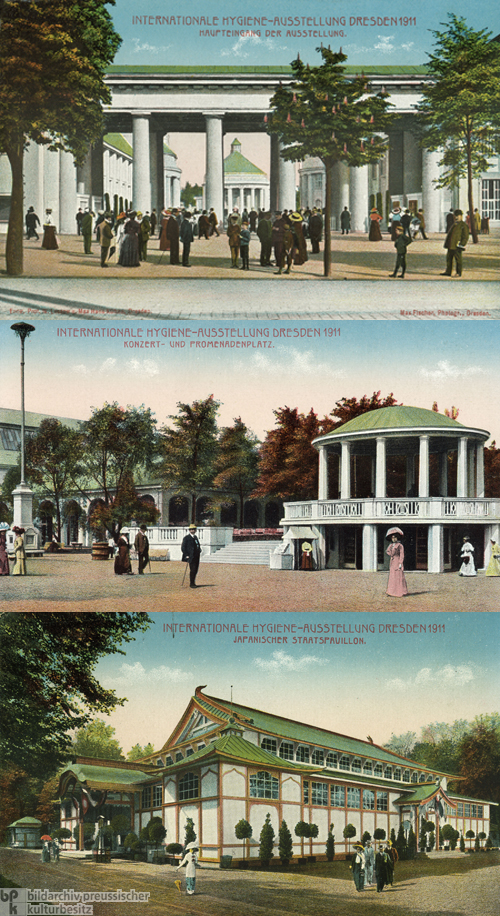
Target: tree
<point>189,832</point>
<point>116,442</point>
<point>266,852</point>
<point>470,836</point>
<point>189,448</point>
<point>126,505</point>
<point>411,843</point>
<point>460,108</point>
<point>401,844</point>
<point>327,115</point>
<point>137,752</point>
<point>154,832</point>
<point>492,470</point>
<point>348,408</point>
<point>53,59</point>
<point>96,740</point>
<point>236,464</point>
<point>243,831</point>
<point>52,460</point>
<point>379,833</point>
<point>349,832</point>
<point>285,843</point>
<point>120,825</point>
<point>189,194</point>
<point>480,762</point>
<point>402,744</point>
<point>48,683</point>
<point>288,465</point>
<point>330,845</point>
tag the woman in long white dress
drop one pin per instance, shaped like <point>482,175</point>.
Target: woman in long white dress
<point>467,556</point>
<point>189,861</point>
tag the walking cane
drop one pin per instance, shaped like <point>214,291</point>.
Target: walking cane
<point>184,576</point>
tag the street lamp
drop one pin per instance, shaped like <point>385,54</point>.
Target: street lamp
<point>22,495</point>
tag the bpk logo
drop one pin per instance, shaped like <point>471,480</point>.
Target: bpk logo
<point>13,901</point>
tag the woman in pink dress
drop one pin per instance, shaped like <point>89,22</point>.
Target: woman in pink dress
<point>396,587</point>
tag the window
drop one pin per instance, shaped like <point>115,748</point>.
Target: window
<point>159,762</point>
<point>381,801</point>
<point>318,757</point>
<point>367,768</point>
<point>423,777</point>
<point>146,797</point>
<point>168,761</point>
<point>178,756</point>
<point>406,776</point>
<point>473,811</point>
<point>270,745</point>
<point>388,773</point>
<point>377,769</point>
<point>302,755</point>
<point>414,777</point>
<point>200,747</point>
<point>490,203</point>
<point>356,765</point>
<point>188,786</point>
<point>479,810</point>
<point>332,760</point>
<point>157,796</point>
<point>286,750</point>
<point>467,810</point>
<point>353,797</point>
<point>11,439</point>
<point>397,773</point>
<point>305,791</point>
<point>264,785</point>
<point>189,752</point>
<point>337,794</point>
<point>319,793</point>
<point>344,763</point>
<point>368,800</point>
<point>460,809</point>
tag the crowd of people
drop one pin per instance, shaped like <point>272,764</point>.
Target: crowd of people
<point>373,869</point>
<point>283,235</point>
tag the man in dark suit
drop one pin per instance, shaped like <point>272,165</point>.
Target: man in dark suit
<point>455,242</point>
<point>191,552</point>
<point>141,544</point>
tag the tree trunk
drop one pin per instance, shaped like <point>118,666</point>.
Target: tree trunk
<point>327,255</point>
<point>14,244</point>
<point>473,228</point>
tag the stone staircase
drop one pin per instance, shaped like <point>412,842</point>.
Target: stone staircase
<point>249,553</point>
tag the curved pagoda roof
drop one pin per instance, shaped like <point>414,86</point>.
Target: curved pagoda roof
<point>400,419</point>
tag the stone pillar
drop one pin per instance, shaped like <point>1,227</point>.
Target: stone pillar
<point>380,469</point>
<point>480,470</point>
<point>359,198</point>
<point>176,192</point>
<point>323,473</point>
<point>84,176</point>
<point>141,181</point>
<point>156,170</point>
<point>443,473</point>
<point>412,164</point>
<point>33,180</point>
<point>423,467</point>
<point>431,196</point>
<point>214,174</point>
<point>97,175</point>
<point>273,174</point>
<point>340,191</point>
<point>67,194</point>
<point>435,549</point>
<point>51,186</point>
<point>369,548</point>
<point>471,477</point>
<point>286,191</point>
<point>345,472</point>
<point>462,467</point>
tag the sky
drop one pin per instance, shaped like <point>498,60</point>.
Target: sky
<point>404,672</point>
<point>452,362</point>
<point>382,33</point>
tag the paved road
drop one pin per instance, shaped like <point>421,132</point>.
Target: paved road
<point>420,890</point>
<point>76,582</point>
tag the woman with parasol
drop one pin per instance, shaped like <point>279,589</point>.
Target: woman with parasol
<point>189,861</point>
<point>396,586</point>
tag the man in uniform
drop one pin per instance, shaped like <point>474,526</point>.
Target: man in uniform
<point>191,552</point>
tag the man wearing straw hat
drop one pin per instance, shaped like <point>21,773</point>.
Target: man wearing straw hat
<point>191,552</point>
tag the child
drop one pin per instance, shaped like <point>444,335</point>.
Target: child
<point>244,245</point>
<point>401,244</point>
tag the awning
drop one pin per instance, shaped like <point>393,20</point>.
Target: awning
<point>294,533</point>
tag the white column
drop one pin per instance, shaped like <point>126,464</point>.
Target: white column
<point>323,473</point>
<point>480,470</point>
<point>471,482</point>
<point>141,186</point>
<point>462,467</point>
<point>176,191</point>
<point>380,469</point>
<point>345,472</point>
<point>431,196</point>
<point>359,198</point>
<point>423,467</point>
<point>435,549</point>
<point>340,191</point>
<point>33,178</point>
<point>369,562</point>
<point>443,474</point>
<point>286,180</point>
<point>51,186</point>
<point>214,173</point>
<point>67,194</point>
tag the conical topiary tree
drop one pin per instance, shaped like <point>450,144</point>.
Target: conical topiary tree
<point>330,845</point>
<point>285,843</point>
<point>266,852</point>
<point>190,833</point>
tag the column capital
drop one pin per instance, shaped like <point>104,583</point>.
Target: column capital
<point>141,114</point>
<point>213,114</point>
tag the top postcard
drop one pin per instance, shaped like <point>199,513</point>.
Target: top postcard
<point>287,142</point>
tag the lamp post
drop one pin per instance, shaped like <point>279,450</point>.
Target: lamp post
<point>22,495</point>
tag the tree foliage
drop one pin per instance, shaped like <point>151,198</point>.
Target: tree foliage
<point>189,448</point>
<point>492,471</point>
<point>285,843</point>
<point>53,58</point>
<point>460,108</point>
<point>48,684</point>
<point>266,847</point>
<point>137,752</point>
<point>480,761</point>
<point>52,462</point>
<point>96,739</point>
<point>325,114</point>
<point>236,465</point>
<point>189,832</point>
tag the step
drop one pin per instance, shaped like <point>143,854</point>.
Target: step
<point>249,553</point>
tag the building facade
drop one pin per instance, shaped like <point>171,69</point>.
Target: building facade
<point>225,762</point>
<point>403,466</point>
<point>245,185</point>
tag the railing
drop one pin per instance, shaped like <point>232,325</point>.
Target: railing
<point>410,508</point>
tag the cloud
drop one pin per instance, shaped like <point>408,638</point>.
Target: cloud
<point>136,673</point>
<point>246,44</point>
<point>446,370</point>
<point>447,676</point>
<point>291,362</point>
<point>81,369</point>
<point>143,367</point>
<point>385,44</point>
<point>140,46</point>
<point>108,365</point>
<point>280,661</point>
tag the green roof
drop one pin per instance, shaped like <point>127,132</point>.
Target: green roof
<point>369,70</point>
<point>168,151</point>
<point>106,776</point>
<point>397,418</point>
<point>419,795</point>
<point>27,822</point>
<point>236,747</point>
<point>118,142</point>
<point>305,734</point>
<point>236,164</point>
